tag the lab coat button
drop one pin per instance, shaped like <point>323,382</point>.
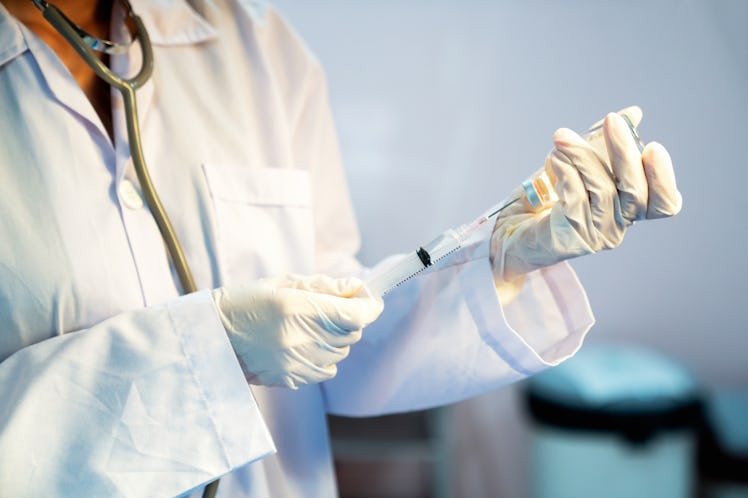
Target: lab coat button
<point>129,195</point>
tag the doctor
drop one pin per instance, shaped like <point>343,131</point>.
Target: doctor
<point>112,384</point>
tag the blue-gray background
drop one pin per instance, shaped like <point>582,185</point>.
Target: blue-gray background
<point>443,107</point>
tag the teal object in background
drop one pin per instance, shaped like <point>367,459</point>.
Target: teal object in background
<point>723,448</point>
<point>617,379</point>
<point>615,421</point>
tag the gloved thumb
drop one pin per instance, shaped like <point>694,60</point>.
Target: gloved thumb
<point>664,198</point>
<point>343,287</point>
<point>349,313</point>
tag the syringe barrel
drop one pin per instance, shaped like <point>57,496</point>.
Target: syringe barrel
<point>446,242</point>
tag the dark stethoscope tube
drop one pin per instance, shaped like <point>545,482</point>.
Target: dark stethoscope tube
<point>127,88</point>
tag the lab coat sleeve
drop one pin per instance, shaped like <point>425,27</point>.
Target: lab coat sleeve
<point>146,403</point>
<point>443,336</point>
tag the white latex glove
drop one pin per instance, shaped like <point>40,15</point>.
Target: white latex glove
<point>603,185</point>
<point>293,330</point>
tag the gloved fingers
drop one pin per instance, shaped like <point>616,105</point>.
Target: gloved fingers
<point>339,315</point>
<point>572,192</point>
<point>349,287</point>
<point>634,113</point>
<point>331,356</point>
<point>297,366</point>
<point>331,334</point>
<point>289,336</point>
<point>307,372</point>
<point>600,188</point>
<point>345,313</point>
<point>626,161</point>
<point>664,198</point>
<point>345,287</point>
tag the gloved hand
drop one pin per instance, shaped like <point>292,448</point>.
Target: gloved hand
<point>604,184</point>
<point>293,330</point>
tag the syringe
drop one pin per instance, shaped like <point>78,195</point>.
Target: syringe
<point>382,282</point>
<point>537,194</point>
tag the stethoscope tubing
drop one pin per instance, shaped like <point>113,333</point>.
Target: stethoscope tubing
<point>127,87</point>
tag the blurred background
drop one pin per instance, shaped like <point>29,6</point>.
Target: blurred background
<point>443,107</point>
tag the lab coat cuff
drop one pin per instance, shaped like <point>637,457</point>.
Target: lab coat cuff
<point>544,324</point>
<point>239,427</point>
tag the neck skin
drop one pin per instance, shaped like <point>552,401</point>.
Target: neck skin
<point>91,15</point>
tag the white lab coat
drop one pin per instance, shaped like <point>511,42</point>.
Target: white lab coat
<point>113,385</point>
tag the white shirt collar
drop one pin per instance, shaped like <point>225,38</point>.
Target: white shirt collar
<point>169,22</point>
<point>173,22</point>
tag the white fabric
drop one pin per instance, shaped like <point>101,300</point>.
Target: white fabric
<point>146,398</point>
<point>293,330</point>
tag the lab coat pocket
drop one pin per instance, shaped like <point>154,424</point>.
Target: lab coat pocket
<point>264,221</point>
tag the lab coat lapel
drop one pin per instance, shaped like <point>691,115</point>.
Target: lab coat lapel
<point>51,73</point>
<point>12,43</point>
<point>61,83</point>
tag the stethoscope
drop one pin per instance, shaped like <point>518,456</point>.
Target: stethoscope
<point>84,43</point>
